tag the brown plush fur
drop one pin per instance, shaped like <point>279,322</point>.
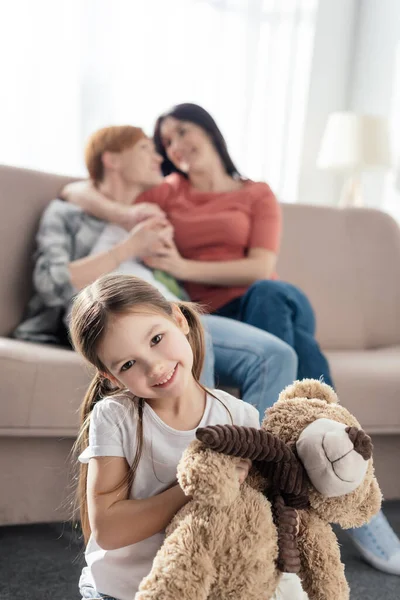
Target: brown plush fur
<point>321,571</point>
<point>223,544</point>
<point>285,474</point>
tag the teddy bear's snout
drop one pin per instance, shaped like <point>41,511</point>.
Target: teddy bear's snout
<point>336,445</point>
<point>328,453</point>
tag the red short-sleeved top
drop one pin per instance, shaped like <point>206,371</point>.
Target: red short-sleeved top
<point>218,227</point>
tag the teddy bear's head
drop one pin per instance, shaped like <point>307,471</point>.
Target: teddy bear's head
<point>209,477</point>
<point>334,450</point>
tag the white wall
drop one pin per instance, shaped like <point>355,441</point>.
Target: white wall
<point>354,65</point>
<point>372,87</point>
<point>329,91</point>
<point>378,33</point>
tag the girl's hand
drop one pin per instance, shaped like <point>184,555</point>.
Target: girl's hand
<point>243,469</point>
<point>298,522</point>
<point>170,261</point>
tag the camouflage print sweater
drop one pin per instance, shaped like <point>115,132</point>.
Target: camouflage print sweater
<point>65,234</point>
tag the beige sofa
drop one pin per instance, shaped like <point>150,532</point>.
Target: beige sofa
<point>348,262</point>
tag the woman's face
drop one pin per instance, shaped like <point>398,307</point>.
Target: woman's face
<point>140,164</point>
<point>187,145</point>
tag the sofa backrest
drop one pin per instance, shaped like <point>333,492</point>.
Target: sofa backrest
<point>346,261</point>
<point>23,196</point>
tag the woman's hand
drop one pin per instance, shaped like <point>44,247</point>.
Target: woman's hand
<point>148,238</point>
<point>72,192</point>
<point>170,261</point>
<point>243,469</point>
<point>137,213</point>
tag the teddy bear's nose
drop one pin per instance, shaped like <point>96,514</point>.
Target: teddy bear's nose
<point>361,441</point>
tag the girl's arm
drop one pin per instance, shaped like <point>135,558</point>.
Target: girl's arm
<point>117,521</point>
<point>90,200</point>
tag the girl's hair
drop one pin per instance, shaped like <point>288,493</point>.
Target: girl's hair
<point>193,113</point>
<point>108,296</point>
<point>116,138</point>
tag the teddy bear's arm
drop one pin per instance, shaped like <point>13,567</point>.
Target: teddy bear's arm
<point>183,568</point>
<point>273,458</point>
<point>321,571</point>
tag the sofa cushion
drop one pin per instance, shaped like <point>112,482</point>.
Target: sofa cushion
<point>42,389</point>
<point>348,263</point>
<point>24,194</point>
<point>367,383</point>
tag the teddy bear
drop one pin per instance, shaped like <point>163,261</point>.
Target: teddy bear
<point>224,542</point>
<point>337,457</point>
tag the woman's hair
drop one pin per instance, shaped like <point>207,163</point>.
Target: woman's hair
<point>192,113</point>
<point>91,312</point>
<point>109,139</point>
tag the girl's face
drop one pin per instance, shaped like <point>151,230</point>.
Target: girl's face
<point>148,354</point>
<point>187,145</point>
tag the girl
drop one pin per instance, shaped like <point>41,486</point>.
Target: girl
<point>139,414</point>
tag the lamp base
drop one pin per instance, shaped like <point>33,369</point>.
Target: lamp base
<point>351,195</point>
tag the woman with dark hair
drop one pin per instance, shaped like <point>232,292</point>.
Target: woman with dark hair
<point>192,113</point>
<point>227,233</point>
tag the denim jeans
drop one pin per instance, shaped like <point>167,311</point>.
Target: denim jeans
<point>282,309</point>
<point>244,357</point>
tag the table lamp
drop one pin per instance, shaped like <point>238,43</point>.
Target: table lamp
<point>353,143</point>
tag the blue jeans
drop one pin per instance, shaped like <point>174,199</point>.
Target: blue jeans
<point>282,309</point>
<point>244,357</point>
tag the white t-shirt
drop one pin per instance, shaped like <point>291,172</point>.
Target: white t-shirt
<point>113,433</point>
<point>113,234</point>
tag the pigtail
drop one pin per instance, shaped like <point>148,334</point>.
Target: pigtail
<point>98,389</point>
<point>191,312</point>
<point>195,336</point>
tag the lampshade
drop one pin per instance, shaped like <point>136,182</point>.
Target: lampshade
<point>353,142</point>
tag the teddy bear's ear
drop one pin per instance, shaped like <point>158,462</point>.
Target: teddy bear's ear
<point>311,389</point>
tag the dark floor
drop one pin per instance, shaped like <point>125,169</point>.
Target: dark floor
<point>43,562</point>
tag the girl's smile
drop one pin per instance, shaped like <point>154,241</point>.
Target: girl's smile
<point>168,379</point>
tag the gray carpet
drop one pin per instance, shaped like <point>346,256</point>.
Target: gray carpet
<point>43,562</point>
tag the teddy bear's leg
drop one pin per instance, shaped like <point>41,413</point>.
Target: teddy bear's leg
<point>183,567</point>
<point>321,572</point>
